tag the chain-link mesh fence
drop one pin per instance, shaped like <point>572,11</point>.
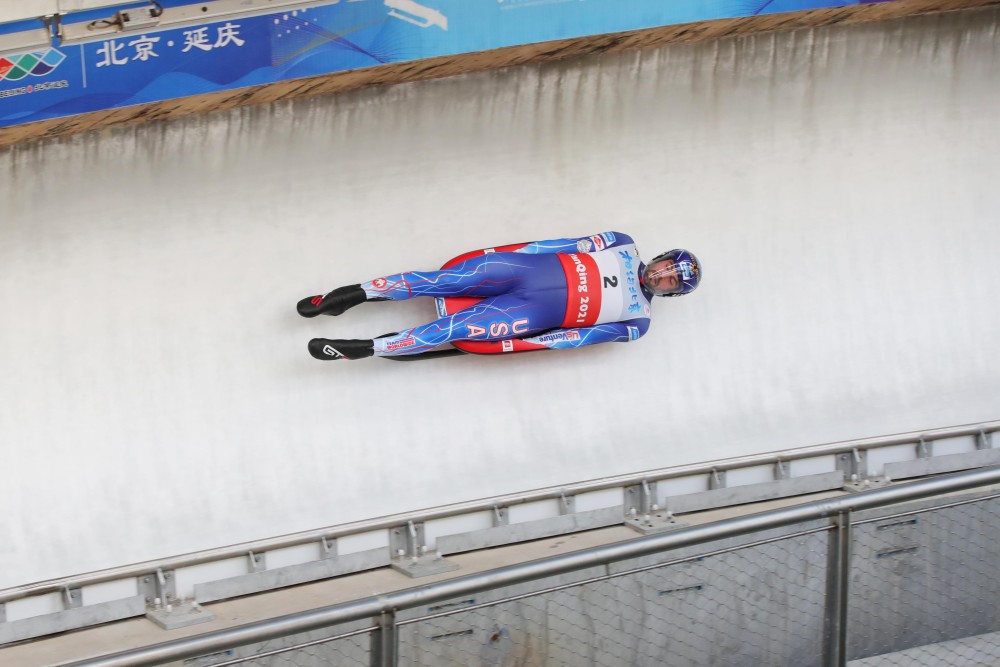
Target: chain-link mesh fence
<point>751,605</point>
<point>320,648</point>
<point>926,579</point>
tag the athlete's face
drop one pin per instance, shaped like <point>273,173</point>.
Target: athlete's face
<point>662,277</point>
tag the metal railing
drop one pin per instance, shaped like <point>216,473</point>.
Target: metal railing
<point>837,518</point>
<point>981,431</point>
<point>643,494</point>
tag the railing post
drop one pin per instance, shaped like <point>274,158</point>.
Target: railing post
<point>838,586</point>
<point>984,440</point>
<point>384,646</point>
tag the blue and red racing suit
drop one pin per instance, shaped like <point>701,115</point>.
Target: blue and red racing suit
<point>549,294</point>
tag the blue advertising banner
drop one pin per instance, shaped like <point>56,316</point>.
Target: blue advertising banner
<point>137,68</point>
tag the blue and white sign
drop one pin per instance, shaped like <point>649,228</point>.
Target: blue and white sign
<point>137,68</point>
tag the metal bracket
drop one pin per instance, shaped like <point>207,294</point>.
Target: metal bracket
<point>410,555</point>
<point>717,480</point>
<point>328,547</point>
<point>854,465</point>
<point>659,521</point>
<point>867,484</point>
<point>424,566</point>
<point>158,588</point>
<point>567,504</point>
<point>640,499</point>
<point>984,440</point>
<point>781,471</point>
<point>3,612</point>
<point>171,617</point>
<point>643,513</point>
<point>501,517</point>
<point>72,598</point>
<point>162,606</point>
<point>258,562</point>
<point>407,540</point>
<point>925,449</point>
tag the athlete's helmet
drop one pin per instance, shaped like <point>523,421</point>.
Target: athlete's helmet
<point>682,264</point>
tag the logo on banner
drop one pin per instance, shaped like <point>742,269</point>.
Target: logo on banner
<point>507,345</point>
<point>36,63</point>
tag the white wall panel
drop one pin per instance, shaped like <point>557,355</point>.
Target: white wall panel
<point>840,187</point>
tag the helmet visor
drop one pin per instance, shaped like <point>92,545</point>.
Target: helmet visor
<point>666,276</point>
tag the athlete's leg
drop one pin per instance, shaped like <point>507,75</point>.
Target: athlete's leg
<point>481,276</point>
<point>495,318</point>
<point>505,316</point>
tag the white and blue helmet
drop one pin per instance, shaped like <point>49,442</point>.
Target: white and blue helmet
<point>684,265</point>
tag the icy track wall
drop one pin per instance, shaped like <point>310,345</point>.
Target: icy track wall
<point>839,186</point>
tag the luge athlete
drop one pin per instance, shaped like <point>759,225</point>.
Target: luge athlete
<point>545,295</point>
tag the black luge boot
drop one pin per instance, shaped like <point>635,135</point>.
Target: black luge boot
<point>334,303</point>
<point>328,349</point>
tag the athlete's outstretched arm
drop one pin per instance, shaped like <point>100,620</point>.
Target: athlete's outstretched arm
<point>613,332</point>
<point>592,243</point>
